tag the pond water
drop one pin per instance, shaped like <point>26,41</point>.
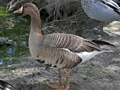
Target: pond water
<point>16,29</point>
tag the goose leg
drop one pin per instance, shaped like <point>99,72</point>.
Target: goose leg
<point>67,80</point>
<point>58,86</point>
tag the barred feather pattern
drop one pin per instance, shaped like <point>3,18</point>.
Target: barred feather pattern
<point>72,42</point>
<point>51,49</point>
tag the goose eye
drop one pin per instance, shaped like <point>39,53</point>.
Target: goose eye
<point>25,6</point>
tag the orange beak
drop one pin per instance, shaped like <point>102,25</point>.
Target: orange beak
<point>19,10</point>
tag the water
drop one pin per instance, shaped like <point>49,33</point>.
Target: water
<point>16,29</point>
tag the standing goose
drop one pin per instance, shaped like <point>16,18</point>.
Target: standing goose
<point>101,10</point>
<point>63,51</point>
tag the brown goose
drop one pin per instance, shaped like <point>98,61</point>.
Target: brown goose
<point>63,51</point>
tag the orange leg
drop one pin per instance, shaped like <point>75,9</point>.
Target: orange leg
<point>58,86</point>
<point>67,81</point>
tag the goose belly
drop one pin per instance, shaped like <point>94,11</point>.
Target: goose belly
<point>48,56</point>
<point>57,57</point>
<point>53,59</point>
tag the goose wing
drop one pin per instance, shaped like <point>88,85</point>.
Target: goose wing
<point>69,50</point>
<point>71,42</point>
<point>111,4</point>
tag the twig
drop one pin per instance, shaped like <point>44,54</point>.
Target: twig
<point>55,21</point>
<point>11,6</point>
<point>63,20</point>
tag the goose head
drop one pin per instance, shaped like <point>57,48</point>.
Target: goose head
<point>32,10</point>
<point>27,8</point>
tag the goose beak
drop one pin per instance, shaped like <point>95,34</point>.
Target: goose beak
<point>19,10</point>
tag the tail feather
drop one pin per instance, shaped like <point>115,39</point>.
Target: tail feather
<point>105,50</point>
<point>99,42</point>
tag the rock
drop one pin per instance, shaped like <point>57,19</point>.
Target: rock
<point>6,41</point>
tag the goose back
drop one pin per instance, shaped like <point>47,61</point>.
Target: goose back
<point>101,10</point>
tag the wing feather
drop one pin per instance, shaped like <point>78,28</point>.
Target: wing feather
<point>72,42</point>
<point>112,4</point>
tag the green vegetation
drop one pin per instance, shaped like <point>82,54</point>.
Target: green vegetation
<point>3,12</point>
<point>16,29</point>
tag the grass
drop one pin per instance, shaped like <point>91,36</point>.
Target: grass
<point>3,12</point>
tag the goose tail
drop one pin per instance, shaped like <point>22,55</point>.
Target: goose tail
<point>99,42</point>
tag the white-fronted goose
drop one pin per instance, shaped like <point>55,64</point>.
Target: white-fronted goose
<point>63,51</point>
<point>101,10</point>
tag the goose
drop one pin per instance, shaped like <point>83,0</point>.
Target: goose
<point>6,86</point>
<point>116,0</point>
<point>101,10</point>
<point>63,51</point>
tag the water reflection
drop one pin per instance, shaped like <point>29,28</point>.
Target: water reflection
<point>15,30</point>
<point>11,50</point>
<point>1,62</point>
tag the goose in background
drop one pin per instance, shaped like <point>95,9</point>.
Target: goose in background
<point>6,86</point>
<point>63,51</point>
<point>116,1</point>
<point>101,10</point>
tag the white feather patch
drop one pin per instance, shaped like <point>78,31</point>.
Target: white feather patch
<point>87,55</point>
<point>21,9</point>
